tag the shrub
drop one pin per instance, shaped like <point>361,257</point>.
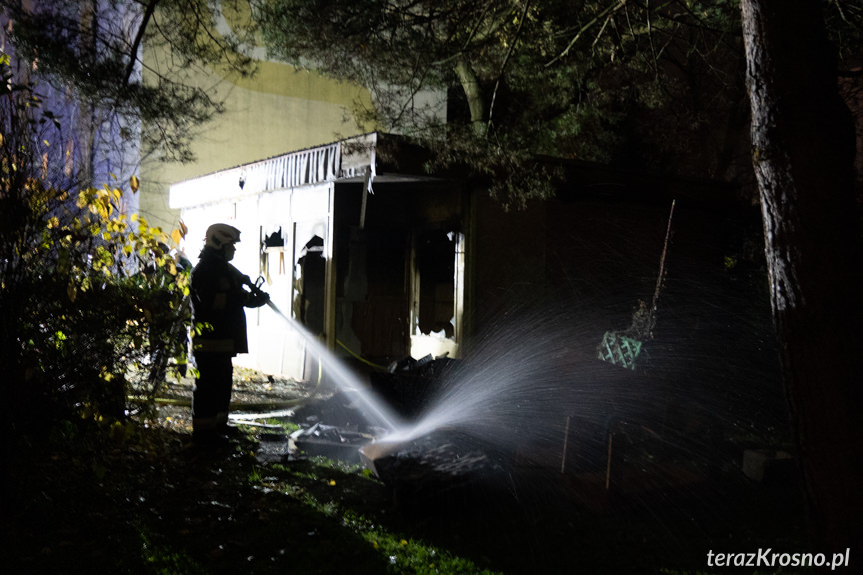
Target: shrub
<point>92,299</point>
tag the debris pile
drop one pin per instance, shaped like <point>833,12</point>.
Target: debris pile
<point>406,385</point>
<point>438,464</point>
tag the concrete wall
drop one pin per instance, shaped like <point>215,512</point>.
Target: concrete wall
<point>280,109</point>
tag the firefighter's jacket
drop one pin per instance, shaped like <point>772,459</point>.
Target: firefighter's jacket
<point>218,299</point>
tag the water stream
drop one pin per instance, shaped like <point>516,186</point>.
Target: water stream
<point>504,394</point>
<point>378,412</point>
<point>525,379</point>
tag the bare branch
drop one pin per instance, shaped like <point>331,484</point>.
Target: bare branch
<point>506,61</point>
<point>593,21</point>
<point>133,51</point>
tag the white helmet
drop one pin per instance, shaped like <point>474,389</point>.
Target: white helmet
<point>220,234</point>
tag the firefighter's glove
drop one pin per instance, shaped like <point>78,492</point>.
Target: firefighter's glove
<point>258,298</point>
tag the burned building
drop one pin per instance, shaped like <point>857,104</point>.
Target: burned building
<point>369,259</point>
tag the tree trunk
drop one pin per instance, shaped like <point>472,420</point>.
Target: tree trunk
<point>803,155</point>
<point>473,93</point>
<point>85,124</point>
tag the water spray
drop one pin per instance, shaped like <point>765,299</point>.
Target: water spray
<point>492,405</point>
<point>379,412</point>
<point>398,432</point>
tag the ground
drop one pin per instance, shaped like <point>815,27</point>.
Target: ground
<point>142,498</point>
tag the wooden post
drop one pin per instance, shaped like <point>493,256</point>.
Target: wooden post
<point>565,439</point>
<point>608,462</point>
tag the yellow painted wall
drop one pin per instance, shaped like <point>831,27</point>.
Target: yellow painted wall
<point>278,110</point>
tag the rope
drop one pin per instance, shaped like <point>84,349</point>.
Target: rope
<point>662,259</point>
<point>644,318</point>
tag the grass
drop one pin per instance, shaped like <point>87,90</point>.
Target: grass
<point>402,555</point>
<point>101,497</point>
<point>89,501</point>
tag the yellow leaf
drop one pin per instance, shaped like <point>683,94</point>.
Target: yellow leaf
<point>176,236</point>
<point>134,217</point>
<point>134,183</point>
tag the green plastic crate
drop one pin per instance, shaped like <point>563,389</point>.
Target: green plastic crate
<point>619,349</point>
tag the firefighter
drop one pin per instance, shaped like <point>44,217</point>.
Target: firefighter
<point>218,294</point>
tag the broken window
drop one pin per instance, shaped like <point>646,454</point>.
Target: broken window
<point>309,283</point>
<point>273,255</point>
<point>435,283</point>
